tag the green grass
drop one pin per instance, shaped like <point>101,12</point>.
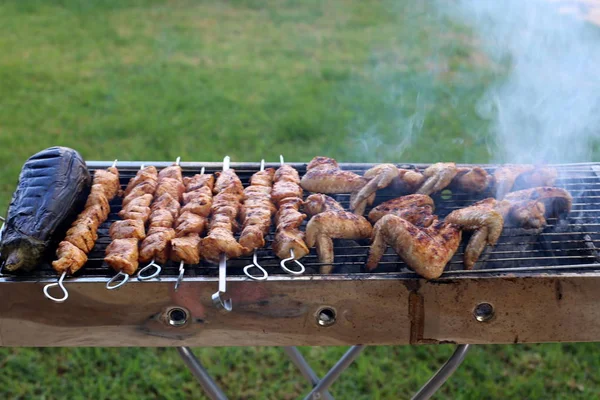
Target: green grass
<point>153,80</point>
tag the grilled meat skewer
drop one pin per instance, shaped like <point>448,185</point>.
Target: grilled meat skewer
<point>257,211</point>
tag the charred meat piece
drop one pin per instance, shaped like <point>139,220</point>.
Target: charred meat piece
<point>332,222</point>
<point>323,175</point>
<point>122,255</point>
<point>415,208</point>
<point>188,223</point>
<point>52,189</point>
<point>529,208</point>
<point>425,250</point>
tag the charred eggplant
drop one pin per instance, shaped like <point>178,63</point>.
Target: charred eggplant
<point>52,189</point>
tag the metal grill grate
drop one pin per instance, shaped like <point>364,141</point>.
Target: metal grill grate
<point>571,244</point>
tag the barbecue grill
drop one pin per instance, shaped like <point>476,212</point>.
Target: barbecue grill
<point>534,286</point>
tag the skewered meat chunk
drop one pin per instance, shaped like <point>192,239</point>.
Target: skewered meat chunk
<point>186,249</point>
<point>332,222</point>
<point>156,245</point>
<point>146,178</point>
<point>188,223</point>
<point>170,186</point>
<point>122,255</point>
<point>225,210</point>
<point>257,210</point>
<point>109,180</point>
<point>199,181</point>
<point>379,177</point>
<point>487,224</point>
<point>471,180</point>
<point>166,202</point>
<point>425,250</point>
<point>127,229</point>
<point>70,258</point>
<point>171,172</point>
<point>438,176</point>
<point>323,175</point>
<point>161,218</point>
<point>287,184</point>
<point>289,237</point>
<point>415,208</point>
<point>83,233</point>
<point>200,205</point>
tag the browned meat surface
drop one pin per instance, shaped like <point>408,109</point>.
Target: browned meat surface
<point>188,223</point>
<point>289,237</point>
<point>409,180</point>
<point>286,184</point>
<point>258,210</point>
<point>332,222</point>
<point>122,255</point>
<point>378,177</point>
<point>186,249</point>
<point>146,178</point>
<point>127,229</point>
<point>539,176</point>
<point>415,208</point>
<point>199,181</point>
<point>156,245</point>
<point>168,203</point>
<point>425,250</point>
<point>471,180</point>
<point>70,258</point>
<point>529,208</point>
<point>487,224</point>
<point>83,232</point>
<point>437,177</point>
<point>170,186</point>
<point>318,203</point>
<point>323,175</point>
<point>506,176</point>
<point>171,172</point>
<point>226,207</point>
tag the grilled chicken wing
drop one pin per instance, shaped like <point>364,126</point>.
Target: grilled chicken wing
<point>332,222</point>
<point>425,250</point>
<point>529,208</point>
<point>506,176</point>
<point>415,208</point>
<point>323,175</point>
<point>378,177</point>
<point>471,180</point>
<point>487,224</point>
<point>438,176</point>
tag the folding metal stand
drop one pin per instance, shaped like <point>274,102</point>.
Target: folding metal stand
<point>321,386</point>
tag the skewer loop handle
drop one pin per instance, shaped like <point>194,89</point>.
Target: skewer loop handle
<point>264,274</point>
<point>157,268</point>
<point>291,271</point>
<point>109,284</point>
<point>61,286</point>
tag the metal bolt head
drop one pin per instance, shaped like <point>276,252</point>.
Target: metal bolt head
<point>177,317</point>
<point>483,312</point>
<point>326,316</point>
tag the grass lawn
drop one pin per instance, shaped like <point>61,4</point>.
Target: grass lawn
<point>356,80</point>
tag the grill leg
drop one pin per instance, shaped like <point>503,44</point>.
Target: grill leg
<point>305,369</point>
<point>211,388</point>
<point>335,372</point>
<point>443,373</point>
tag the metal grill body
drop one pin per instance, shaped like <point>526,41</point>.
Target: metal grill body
<point>539,286</point>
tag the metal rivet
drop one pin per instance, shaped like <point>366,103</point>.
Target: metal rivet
<point>483,312</point>
<point>326,316</point>
<point>177,317</point>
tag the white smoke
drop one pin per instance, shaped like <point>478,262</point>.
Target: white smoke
<point>547,109</point>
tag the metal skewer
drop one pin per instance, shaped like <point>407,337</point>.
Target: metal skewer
<point>292,257</point>
<point>263,273</point>
<point>60,284</point>
<point>121,277</point>
<point>217,297</point>
<point>157,268</point>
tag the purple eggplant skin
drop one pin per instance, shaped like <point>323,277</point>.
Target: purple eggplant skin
<point>52,190</point>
